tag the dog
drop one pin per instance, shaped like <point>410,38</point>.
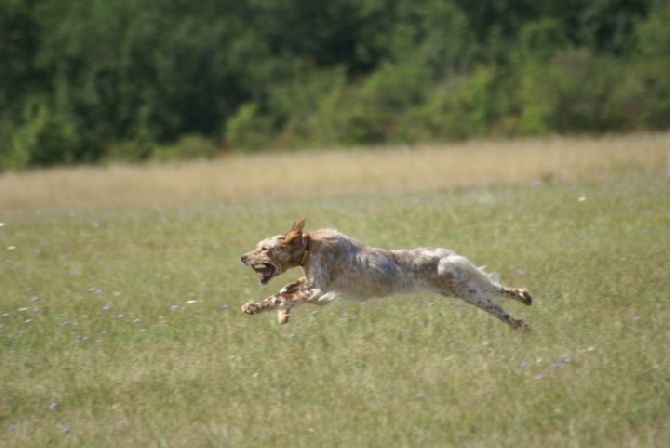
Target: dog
<point>338,266</point>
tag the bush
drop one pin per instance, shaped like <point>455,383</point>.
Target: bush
<point>190,146</point>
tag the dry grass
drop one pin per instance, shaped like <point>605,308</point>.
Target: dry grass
<point>120,321</point>
<point>333,173</point>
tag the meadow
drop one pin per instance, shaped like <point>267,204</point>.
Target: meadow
<point>121,288</point>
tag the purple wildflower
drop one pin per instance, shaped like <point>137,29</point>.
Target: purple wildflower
<point>66,431</point>
<point>53,406</point>
<point>174,307</point>
<point>523,365</point>
<point>106,308</point>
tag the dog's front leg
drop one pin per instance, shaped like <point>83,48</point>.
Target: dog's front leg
<point>283,314</point>
<point>293,286</point>
<point>283,301</point>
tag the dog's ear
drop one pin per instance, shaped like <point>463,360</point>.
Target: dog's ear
<point>296,229</point>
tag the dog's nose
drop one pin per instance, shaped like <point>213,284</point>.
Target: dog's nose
<point>243,258</point>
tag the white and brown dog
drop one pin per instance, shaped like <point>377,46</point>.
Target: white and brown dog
<point>335,265</point>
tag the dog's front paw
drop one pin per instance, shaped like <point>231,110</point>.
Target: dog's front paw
<point>251,308</point>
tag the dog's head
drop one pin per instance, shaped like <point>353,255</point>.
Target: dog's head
<point>275,255</point>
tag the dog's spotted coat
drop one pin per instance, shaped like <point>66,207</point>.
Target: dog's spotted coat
<point>335,265</point>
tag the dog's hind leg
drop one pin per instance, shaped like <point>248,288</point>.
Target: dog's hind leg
<point>481,301</point>
<point>458,277</point>
<point>518,294</point>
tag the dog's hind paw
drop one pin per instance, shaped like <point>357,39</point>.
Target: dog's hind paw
<point>518,324</point>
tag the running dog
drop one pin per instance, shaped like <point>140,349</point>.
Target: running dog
<point>335,265</point>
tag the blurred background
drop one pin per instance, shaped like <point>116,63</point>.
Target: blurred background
<point>84,81</point>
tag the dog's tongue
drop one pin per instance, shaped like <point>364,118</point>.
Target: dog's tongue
<point>265,271</point>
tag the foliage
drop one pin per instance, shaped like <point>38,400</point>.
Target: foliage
<point>89,80</point>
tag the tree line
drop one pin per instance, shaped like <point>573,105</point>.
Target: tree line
<point>83,81</point>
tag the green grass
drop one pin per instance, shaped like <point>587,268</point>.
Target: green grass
<point>92,345</point>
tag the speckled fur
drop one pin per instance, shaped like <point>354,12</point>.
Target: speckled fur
<point>335,265</point>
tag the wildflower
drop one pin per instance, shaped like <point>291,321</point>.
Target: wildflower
<point>523,365</point>
<point>13,426</point>
<point>418,395</point>
<point>136,320</point>
<point>53,406</point>
<point>66,431</point>
<point>224,306</point>
<point>143,330</point>
<point>106,308</point>
<point>174,307</point>
<point>34,299</point>
<point>291,336</point>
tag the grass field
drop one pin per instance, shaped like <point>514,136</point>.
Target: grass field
<point>121,286</point>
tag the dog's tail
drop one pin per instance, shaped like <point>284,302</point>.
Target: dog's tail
<point>493,276</point>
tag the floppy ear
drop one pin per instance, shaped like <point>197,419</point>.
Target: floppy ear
<point>296,229</point>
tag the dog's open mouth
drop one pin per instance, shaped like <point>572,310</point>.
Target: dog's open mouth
<point>266,270</point>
